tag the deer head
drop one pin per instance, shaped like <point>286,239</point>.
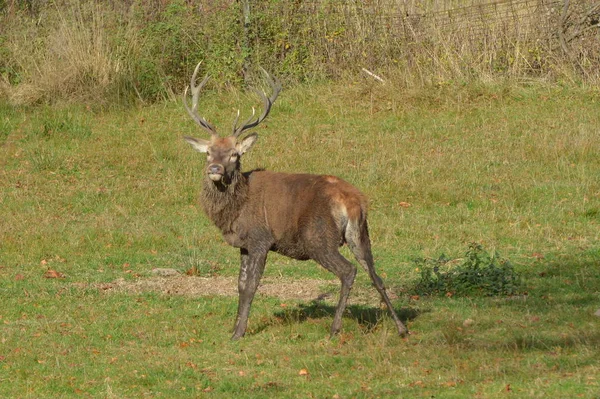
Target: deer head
<point>224,153</point>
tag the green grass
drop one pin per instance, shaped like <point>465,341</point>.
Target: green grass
<point>100,197</point>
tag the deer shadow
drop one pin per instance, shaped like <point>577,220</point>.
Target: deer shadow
<point>367,317</point>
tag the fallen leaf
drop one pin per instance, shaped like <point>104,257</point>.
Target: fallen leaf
<point>191,365</point>
<point>404,204</point>
<point>53,274</point>
<point>303,372</point>
<point>507,389</point>
<point>19,277</point>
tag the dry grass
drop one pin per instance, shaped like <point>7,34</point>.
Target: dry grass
<point>73,56</point>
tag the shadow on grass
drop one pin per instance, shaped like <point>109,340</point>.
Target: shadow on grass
<point>367,317</point>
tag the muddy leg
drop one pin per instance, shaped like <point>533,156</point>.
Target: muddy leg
<point>361,248</point>
<point>251,270</point>
<point>346,272</point>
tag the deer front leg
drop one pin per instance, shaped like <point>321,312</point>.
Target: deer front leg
<point>251,270</point>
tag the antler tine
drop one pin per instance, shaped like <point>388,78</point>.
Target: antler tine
<point>193,111</point>
<point>267,104</point>
<point>237,118</point>
<point>237,130</point>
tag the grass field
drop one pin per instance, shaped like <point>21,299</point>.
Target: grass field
<point>98,198</point>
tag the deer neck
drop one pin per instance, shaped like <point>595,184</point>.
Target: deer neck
<point>223,202</point>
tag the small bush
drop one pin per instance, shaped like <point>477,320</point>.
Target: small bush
<point>479,273</point>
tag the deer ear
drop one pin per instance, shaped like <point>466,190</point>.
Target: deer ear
<point>246,143</point>
<point>198,144</point>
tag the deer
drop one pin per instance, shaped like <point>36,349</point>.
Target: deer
<point>301,216</point>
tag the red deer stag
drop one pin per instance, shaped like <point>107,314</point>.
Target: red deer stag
<point>301,216</point>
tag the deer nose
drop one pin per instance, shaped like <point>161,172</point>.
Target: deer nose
<point>216,169</point>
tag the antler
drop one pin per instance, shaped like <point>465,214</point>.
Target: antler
<point>267,103</point>
<point>193,111</point>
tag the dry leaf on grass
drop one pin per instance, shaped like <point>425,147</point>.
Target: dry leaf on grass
<point>53,274</point>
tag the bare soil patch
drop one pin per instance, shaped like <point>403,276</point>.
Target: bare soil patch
<point>305,289</point>
<point>282,288</point>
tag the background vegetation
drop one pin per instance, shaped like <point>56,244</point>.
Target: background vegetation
<point>110,52</point>
<point>484,133</point>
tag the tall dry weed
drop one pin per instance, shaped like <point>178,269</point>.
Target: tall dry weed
<point>70,57</point>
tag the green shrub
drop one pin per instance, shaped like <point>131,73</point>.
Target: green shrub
<point>478,273</point>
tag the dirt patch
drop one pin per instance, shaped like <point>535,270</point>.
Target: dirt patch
<point>304,289</point>
<point>282,288</point>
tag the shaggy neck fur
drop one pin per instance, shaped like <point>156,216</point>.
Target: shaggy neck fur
<point>223,202</point>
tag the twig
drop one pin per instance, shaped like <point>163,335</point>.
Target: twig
<point>581,32</point>
<point>563,27</point>
<point>371,74</point>
<point>590,12</point>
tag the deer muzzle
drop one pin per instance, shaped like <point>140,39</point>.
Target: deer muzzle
<point>215,172</point>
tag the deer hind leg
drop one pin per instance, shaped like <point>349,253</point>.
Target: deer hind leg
<point>346,272</point>
<point>357,237</point>
<point>251,270</point>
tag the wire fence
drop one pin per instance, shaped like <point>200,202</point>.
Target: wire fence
<point>514,36</point>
